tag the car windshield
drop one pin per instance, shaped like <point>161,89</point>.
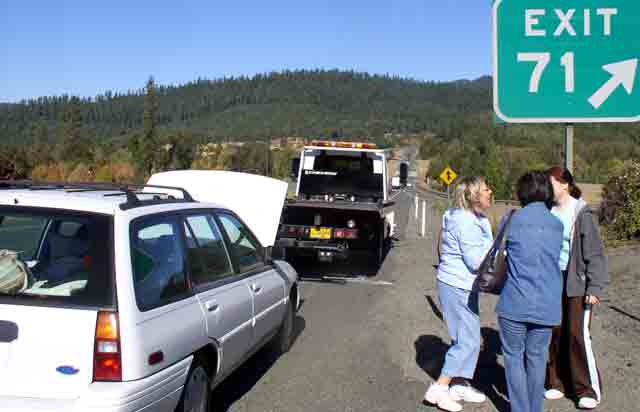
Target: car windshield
<point>359,175</point>
<point>53,257</point>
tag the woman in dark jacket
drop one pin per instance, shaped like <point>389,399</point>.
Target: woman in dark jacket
<point>529,304</point>
<point>572,365</point>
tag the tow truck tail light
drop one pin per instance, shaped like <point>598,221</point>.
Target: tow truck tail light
<point>345,233</point>
<point>344,145</point>
<point>107,360</point>
<point>290,230</point>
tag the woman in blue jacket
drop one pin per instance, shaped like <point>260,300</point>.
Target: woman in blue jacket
<point>466,238</point>
<point>530,303</point>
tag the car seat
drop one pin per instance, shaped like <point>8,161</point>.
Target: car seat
<point>66,254</point>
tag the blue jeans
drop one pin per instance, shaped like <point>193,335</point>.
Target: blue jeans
<point>461,312</point>
<point>526,349</point>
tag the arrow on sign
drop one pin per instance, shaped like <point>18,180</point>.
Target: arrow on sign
<point>623,73</point>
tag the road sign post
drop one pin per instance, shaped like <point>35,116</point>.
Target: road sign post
<point>569,61</point>
<point>568,148</point>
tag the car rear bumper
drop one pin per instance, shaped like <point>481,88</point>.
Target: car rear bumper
<point>311,247</point>
<point>159,392</point>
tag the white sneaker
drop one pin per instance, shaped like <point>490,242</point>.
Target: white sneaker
<point>439,395</point>
<point>553,394</point>
<point>466,393</point>
<point>587,403</point>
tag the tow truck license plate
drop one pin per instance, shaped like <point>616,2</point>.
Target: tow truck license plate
<point>320,233</point>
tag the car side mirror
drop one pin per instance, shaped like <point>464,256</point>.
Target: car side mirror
<point>295,167</point>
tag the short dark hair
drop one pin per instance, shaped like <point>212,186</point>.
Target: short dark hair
<point>534,187</point>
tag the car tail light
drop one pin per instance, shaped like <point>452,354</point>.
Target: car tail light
<point>107,360</point>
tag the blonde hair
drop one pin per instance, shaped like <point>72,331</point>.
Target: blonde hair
<point>467,192</point>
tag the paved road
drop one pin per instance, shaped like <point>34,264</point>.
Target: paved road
<point>375,342</point>
<point>342,359</point>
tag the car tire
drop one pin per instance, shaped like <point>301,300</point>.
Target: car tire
<point>196,393</point>
<point>283,340</point>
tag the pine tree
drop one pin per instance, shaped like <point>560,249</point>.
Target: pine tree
<point>148,142</point>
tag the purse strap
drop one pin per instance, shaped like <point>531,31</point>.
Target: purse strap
<point>499,243</point>
<point>505,231</point>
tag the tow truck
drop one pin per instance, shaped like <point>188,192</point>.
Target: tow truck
<point>341,205</point>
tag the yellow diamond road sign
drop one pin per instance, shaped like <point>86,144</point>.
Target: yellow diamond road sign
<point>448,175</point>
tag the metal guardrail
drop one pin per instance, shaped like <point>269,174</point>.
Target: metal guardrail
<point>444,196</point>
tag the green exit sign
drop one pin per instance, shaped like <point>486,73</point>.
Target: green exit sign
<point>566,61</point>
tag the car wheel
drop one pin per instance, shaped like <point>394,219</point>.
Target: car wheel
<point>195,395</point>
<point>283,340</point>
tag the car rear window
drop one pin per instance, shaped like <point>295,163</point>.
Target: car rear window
<point>51,257</point>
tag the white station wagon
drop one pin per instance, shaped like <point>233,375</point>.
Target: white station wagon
<point>138,298</point>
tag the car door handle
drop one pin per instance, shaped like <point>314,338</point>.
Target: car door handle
<point>211,306</point>
<point>256,288</point>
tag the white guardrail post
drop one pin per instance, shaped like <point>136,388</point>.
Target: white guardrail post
<point>424,218</point>
<point>416,207</point>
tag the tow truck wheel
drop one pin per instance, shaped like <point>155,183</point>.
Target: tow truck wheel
<point>380,253</point>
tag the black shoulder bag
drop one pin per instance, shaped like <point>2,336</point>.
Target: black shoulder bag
<point>492,272</point>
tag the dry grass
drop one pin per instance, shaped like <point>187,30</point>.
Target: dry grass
<point>591,193</point>
<point>422,168</point>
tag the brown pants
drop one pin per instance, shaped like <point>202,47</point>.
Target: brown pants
<point>572,365</point>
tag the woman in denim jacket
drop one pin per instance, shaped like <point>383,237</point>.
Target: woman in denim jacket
<point>530,303</point>
<point>466,238</point>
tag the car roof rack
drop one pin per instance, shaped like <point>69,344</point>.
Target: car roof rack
<point>130,190</point>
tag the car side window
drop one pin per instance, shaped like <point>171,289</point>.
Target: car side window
<point>158,262</point>
<point>244,247</point>
<point>206,254</point>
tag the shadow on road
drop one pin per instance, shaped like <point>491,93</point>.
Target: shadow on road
<point>358,265</point>
<point>434,307</point>
<point>627,314</point>
<point>489,377</point>
<point>249,374</point>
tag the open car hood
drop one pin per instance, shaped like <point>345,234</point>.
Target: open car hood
<point>258,200</point>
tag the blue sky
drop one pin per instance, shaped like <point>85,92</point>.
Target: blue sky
<point>87,47</point>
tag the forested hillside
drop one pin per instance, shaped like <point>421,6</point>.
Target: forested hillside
<point>159,127</point>
<point>300,103</point>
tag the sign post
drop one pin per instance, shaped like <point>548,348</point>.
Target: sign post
<point>569,61</point>
<point>568,148</point>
